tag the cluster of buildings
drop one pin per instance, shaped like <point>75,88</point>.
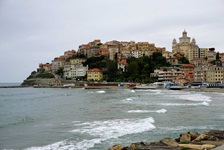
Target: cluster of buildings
<point>199,69</point>
<point>73,67</point>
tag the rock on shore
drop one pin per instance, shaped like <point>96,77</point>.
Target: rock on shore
<point>187,141</point>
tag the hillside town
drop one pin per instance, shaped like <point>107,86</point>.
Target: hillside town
<point>201,64</point>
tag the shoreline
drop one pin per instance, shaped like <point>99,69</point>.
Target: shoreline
<point>219,90</point>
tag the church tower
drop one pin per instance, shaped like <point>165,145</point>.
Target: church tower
<point>193,42</point>
<point>186,46</point>
<point>174,42</point>
<point>184,38</point>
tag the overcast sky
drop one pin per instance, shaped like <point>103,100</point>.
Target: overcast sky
<point>36,31</point>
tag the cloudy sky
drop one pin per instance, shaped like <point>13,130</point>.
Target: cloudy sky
<point>36,31</point>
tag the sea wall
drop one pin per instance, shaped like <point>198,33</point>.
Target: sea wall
<point>213,139</point>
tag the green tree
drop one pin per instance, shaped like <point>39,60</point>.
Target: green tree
<point>217,56</point>
<point>133,70</point>
<point>60,72</point>
<point>111,70</point>
<point>184,60</point>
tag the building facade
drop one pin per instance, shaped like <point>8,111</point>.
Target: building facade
<point>75,69</point>
<point>190,48</point>
<point>94,74</point>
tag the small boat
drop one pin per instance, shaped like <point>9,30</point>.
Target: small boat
<point>173,86</point>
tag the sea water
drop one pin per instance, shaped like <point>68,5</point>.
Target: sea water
<point>80,119</point>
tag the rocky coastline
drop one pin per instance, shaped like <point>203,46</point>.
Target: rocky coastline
<point>213,139</point>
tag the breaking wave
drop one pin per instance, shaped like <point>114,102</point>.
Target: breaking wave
<point>101,131</point>
<point>147,111</point>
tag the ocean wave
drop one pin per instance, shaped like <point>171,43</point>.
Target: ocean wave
<point>148,111</point>
<point>195,97</point>
<point>129,99</point>
<point>191,96</point>
<point>100,92</point>
<point>139,111</point>
<point>184,104</point>
<point>101,131</point>
<point>161,111</point>
<point>188,128</point>
<point>116,128</point>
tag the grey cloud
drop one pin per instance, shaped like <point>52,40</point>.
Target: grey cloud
<point>38,31</point>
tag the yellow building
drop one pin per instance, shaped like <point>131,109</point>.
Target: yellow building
<point>77,61</point>
<point>143,46</point>
<point>94,74</point>
<point>214,74</point>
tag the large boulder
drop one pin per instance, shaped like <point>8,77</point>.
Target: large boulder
<point>152,146</point>
<point>194,135</point>
<point>217,133</point>
<point>169,142</point>
<point>185,138</point>
<point>206,137</point>
<point>118,147</point>
<point>197,147</point>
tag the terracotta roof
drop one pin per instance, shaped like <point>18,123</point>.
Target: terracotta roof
<point>42,65</point>
<point>94,70</point>
<point>187,65</point>
<point>143,43</point>
<point>58,59</point>
<point>96,40</point>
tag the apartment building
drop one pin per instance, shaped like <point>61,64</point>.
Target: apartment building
<point>57,63</point>
<point>199,62</point>
<point>94,74</point>
<point>214,74</point>
<point>169,75</point>
<point>45,67</point>
<point>210,74</point>
<point>188,71</point>
<point>75,69</point>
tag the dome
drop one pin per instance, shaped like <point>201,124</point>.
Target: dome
<point>174,41</point>
<point>193,41</point>
<point>184,34</point>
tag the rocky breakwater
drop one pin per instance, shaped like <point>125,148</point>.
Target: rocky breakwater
<point>213,139</point>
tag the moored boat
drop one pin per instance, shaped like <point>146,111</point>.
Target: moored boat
<point>174,86</point>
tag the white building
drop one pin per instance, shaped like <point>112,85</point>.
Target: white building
<point>75,69</point>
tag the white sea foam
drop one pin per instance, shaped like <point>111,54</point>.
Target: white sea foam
<point>184,104</point>
<point>205,103</point>
<point>100,92</point>
<point>129,99</point>
<point>177,128</point>
<point>101,130</point>
<point>116,128</point>
<point>195,97</point>
<point>139,111</point>
<point>133,91</point>
<point>148,111</point>
<point>161,111</point>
